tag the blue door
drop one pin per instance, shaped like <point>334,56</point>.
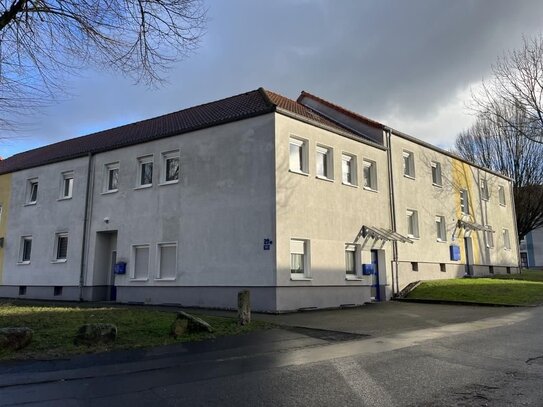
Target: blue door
<point>375,289</point>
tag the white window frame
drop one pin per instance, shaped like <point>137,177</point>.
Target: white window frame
<point>355,249</point>
<point>20,258</point>
<point>489,239</point>
<point>372,165</point>
<point>506,239</point>
<point>412,217</point>
<point>485,193</point>
<point>438,182</point>
<point>352,165</point>
<point>166,156</point>
<point>328,155</point>
<point>147,159</point>
<point>29,191</point>
<point>66,176</point>
<point>306,275</point>
<point>442,230</point>
<point>464,202</point>
<point>159,259</point>
<point>303,155</point>
<point>1,210</point>
<point>409,166</point>
<point>58,236</point>
<point>133,262</point>
<point>108,169</point>
<point>501,195</point>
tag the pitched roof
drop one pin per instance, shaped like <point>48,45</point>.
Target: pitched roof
<point>242,106</point>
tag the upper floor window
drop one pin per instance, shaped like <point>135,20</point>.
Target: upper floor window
<point>464,201</point>
<point>506,240</point>
<point>436,174</point>
<point>484,190</point>
<point>408,164</point>
<point>61,246</point>
<point>370,175</point>
<point>412,223</point>
<point>32,191</point>
<point>170,167</point>
<point>297,155</point>
<point>111,183</point>
<point>348,168</point>
<point>25,250</point>
<point>67,185</point>
<point>324,162</point>
<point>441,232</point>
<point>145,171</point>
<point>501,194</point>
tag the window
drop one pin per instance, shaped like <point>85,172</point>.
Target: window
<point>324,162</point>
<point>67,185</point>
<point>22,290</point>
<point>145,171</point>
<point>491,269</point>
<point>484,190</point>
<point>501,195</point>
<point>57,291</point>
<point>0,214</point>
<point>61,246</point>
<point>350,260</point>
<point>506,241</point>
<point>414,266</point>
<point>443,267</point>
<point>140,260</point>
<point>167,261</point>
<point>441,232</point>
<point>298,260</point>
<point>32,191</point>
<point>408,164</point>
<point>489,239</point>
<point>412,223</point>
<point>348,168</point>
<point>298,153</point>
<point>25,250</point>
<point>111,183</point>
<point>170,167</point>
<point>464,201</point>
<point>436,174</point>
<point>370,175</point>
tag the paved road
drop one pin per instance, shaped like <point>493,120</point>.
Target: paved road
<point>493,361</point>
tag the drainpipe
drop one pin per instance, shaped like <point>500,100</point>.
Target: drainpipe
<point>88,208</point>
<point>511,194</point>
<point>395,282</point>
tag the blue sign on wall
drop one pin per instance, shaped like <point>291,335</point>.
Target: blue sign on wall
<point>455,252</point>
<point>368,269</point>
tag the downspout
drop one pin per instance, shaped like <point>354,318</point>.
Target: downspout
<point>88,207</point>
<point>395,282</point>
<point>512,195</point>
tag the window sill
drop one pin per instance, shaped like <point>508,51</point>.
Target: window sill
<point>353,278</point>
<point>110,192</point>
<point>23,263</point>
<point>413,237</point>
<point>169,182</point>
<point>409,176</point>
<point>30,203</point>
<point>305,174</point>
<point>441,241</point>
<point>136,280</point>
<point>324,178</point>
<point>60,261</point>
<point>503,205</point>
<point>143,186</point>
<point>370,189</point>
<point>64,198</point>
<point>300,278</point>
<point>165,279</point>
<point>437,185</point>
<point>348,184</point>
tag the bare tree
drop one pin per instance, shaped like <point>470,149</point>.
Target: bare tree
<point>42,41</point>
<point>517,80</point>
<point>499,145</point>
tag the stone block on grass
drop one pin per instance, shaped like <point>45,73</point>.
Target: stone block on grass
<point>96,334</point>
<point>185,323</point>
<point>15,338</point>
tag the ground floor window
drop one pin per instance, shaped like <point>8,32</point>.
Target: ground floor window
<point>167,261</point>
<point>298,260</point>
<point>350,260</point>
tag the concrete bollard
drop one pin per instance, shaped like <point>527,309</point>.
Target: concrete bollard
<point>244,307</point>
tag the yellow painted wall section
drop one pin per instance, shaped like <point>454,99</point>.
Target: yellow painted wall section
<point>463,178</point>
<point>5,196</point>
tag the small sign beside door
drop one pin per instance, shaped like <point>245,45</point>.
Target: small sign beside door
<point>267,244</point>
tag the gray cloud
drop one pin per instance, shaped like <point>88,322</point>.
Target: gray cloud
<point>401,61</point>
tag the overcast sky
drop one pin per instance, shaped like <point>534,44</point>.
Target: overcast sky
<point>408,64</point>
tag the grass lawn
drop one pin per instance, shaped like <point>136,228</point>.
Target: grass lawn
<point>527,275</point>
<point>55,327</point>
<point>525,289</point>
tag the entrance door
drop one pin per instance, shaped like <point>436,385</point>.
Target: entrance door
<point>469,255</point>
<point>375,289</point>
<point>105,257</point>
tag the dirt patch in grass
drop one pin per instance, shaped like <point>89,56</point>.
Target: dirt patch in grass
<point>55,327</point>
<point>496,290</point>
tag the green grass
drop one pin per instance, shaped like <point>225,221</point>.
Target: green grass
<point>55,327</point>
<point>526,275</point>
<point>503,289</point>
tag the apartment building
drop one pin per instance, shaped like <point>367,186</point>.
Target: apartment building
<point>531,249</point>
<point>304,203</point>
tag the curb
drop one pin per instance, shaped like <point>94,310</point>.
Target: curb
<point>449,302</point>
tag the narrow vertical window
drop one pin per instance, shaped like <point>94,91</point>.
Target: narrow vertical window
<point>145,171</point>
<point>348,167</point>
<point>298,257</point>
<point>501,194</point>
<point>506,241</point>
<point>436,174</point>
<point>167,261</point>
<point>370,175</point>
<point>170,167</point>
<point>464,201</point>
<point>324,162</point>
<point>408,164</point>
<point>297,152</point>
<point>32,191</point>
<point>440,229</point>
<point>484,190</point>
<point>140,260</point>
<point>489,238</point>
<point>350,260</point>
<point>61,247</point>
<point>67,185</point>
<point>111,181</point>
<point>25,251</point>
<point>412,223</point>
